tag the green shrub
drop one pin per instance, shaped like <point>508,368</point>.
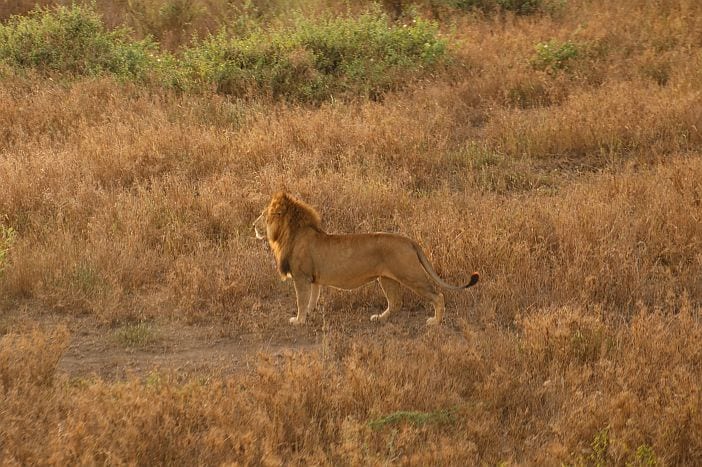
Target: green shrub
<point>73,40</point>
<point>554,55</point>
<point>312,61</point>
<point>309,61</point>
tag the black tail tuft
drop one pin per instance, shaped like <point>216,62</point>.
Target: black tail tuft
<point>473,280</point>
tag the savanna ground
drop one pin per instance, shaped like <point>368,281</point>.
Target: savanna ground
<point>554,146</point>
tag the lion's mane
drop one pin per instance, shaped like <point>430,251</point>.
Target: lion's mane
<point>288,217</point>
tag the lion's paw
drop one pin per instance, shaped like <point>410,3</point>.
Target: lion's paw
<point>432,321</point>
<point>296,322</point>
<point>375,317</point>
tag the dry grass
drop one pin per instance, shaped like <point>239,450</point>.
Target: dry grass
<point>563,386</point>
<point>576,193</point>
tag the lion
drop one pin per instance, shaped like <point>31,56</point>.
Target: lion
<point>314,258</point>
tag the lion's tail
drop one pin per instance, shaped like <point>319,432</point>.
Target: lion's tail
<point>430,270</point>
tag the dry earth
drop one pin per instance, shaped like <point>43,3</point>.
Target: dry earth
<point>207,349</point>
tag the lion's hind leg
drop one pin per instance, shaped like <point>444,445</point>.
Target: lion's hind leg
<point>393,293</point>
<point>430,292</point>
<point>416,279</point>
<point>438,301</point>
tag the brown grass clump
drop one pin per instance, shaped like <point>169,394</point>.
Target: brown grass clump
<point>568,176</point>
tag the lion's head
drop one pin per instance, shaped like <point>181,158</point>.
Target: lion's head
<point>281,220</point>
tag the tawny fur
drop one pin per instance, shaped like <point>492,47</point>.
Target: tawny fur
<point>314,258</point>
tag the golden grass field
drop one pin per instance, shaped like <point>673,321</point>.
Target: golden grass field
<point>142,323</point>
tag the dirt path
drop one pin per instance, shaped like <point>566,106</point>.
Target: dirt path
<point>184,349</point>
<point>119,352</point>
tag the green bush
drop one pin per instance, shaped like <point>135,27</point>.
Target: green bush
<point>554,55</point>
<point>73,40</point>
<point>309,61</point>
<point>312,61</point>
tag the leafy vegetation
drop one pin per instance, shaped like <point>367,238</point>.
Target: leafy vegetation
<point>316,60</point>
<point>554,55</point>
<point>73,40</point>
<point>311,61</point>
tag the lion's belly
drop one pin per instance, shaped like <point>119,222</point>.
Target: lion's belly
<point>348,274</point>
<point>348,271</point>
<point>350,261</point>
<point>345,283</point>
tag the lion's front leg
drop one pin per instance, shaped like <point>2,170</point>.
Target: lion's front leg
<point>315,289</point>
<point>303,291</point>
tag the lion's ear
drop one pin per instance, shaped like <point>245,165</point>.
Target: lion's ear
<point>281,192</point>
<point>279,199</point>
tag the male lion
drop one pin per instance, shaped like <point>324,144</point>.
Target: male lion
<point>314,258</point>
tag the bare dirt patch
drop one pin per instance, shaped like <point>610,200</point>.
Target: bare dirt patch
<point>207,349</point>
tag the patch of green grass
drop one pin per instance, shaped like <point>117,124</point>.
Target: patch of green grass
<point>137,335</point>
<point>7,239</point>
<point>600,446</point>
<point>644,456</point>
<point>413,417</point>
<point>86,278</point>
